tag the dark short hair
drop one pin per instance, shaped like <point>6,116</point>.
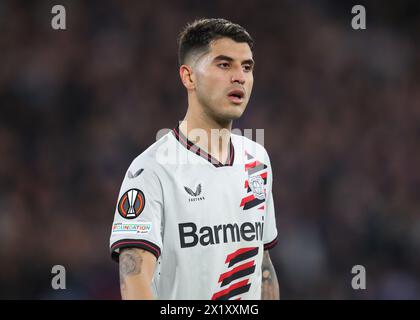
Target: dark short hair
<point>197,35</point>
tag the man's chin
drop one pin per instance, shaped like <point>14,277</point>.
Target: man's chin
<point>228,112</point>
<point>235,111</point>
<point>232,115</point>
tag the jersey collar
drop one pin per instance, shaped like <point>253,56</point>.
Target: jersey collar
<point>195,149</point>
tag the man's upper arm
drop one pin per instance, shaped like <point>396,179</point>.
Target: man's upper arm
<point>137,267</point>
<point>270,289</point>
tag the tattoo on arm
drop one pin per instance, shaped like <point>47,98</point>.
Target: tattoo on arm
<point>270,286</point>
<point>130,264</point>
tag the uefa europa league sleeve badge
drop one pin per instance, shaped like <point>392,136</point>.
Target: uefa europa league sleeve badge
<point>131,204</point>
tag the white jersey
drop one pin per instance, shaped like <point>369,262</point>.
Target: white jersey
<point>207,223</point>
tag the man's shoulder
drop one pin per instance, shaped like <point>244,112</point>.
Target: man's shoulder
<point>250,146</point>
<point>149,157</point>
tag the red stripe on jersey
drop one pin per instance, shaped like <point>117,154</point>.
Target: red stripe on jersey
<point>252,165</point>
<point>234,270</point>
<point>232,287</point>
<point>237,253</point>
<point>246,200</point>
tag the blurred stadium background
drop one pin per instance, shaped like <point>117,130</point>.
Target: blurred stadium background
<point>340,109</point>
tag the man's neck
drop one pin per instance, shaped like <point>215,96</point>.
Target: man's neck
<point>207,133</point>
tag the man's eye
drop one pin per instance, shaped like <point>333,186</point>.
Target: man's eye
<point>247,68</point>
<point>224,65</point>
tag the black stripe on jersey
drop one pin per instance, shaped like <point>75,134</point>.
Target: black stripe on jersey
<point>196,150</point>
<point>134,243</point>
<point>231,153</point>
<point>257,168</point>
<point>243,256</point>
<point>253,203</point>
<point>271,244</point>
<point>235,292</point>
<point>237,275</point>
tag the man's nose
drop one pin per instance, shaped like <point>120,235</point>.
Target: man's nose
<point>238,76</point>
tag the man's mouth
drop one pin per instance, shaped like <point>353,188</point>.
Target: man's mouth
<point>236,96</point>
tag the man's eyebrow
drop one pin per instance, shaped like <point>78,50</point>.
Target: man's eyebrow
<point>227,58</point>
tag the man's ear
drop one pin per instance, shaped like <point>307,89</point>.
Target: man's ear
<point>187,77</point>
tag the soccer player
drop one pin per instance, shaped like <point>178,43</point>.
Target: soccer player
<point>195,214</point>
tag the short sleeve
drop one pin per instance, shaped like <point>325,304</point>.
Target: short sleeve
<point>270,232</point>
<point>138,213</point>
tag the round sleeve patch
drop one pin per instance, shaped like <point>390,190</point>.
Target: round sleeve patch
<point>131,204</point>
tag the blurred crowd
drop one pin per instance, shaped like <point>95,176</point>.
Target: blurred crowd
<point>340,109</point>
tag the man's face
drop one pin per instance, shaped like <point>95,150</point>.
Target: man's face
<point>224,79</point>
